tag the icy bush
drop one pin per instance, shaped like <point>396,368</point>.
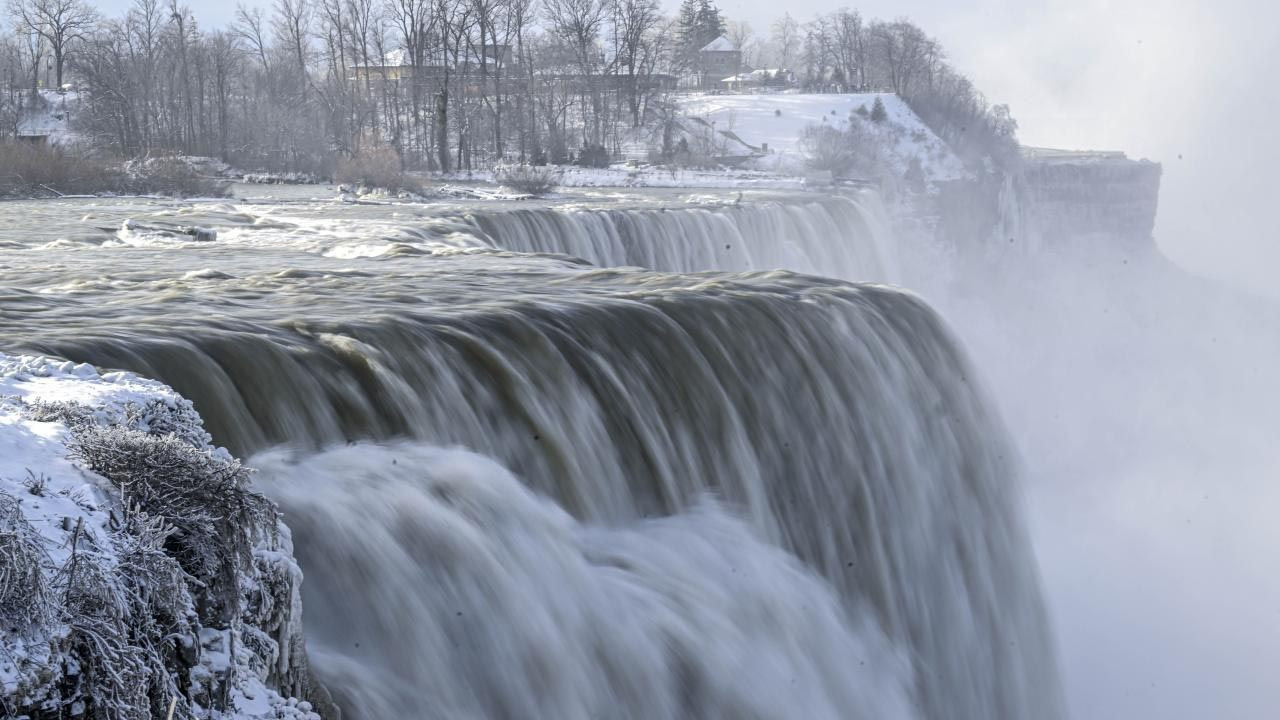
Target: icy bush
<point>182,591</point>
<point>528,179</point>
<point>45,170</point>
<point>376,166</point>
<point>23,596</point>
<point>126,607</point>
<point>203,497</point>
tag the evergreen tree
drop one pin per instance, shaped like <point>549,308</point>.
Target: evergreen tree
<point>687,33</point>
<point>698,22</point>
<point>878,114</point>
<point>710,23</point>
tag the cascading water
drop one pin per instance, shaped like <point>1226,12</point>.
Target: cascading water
<point>445,597</point>
<point>755,236</point>
<point>838,422</point>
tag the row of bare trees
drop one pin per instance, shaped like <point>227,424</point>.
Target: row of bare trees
<point>448,84</point>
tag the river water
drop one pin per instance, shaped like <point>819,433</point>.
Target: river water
<point>580,459</point>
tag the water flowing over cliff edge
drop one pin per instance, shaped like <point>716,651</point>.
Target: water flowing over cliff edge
<point>839,423</point>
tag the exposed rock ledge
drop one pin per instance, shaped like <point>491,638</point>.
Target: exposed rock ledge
<point>138,571</point>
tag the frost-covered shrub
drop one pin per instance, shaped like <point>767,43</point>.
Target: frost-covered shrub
<point>594,156</point>
<point>163,417</point>
<point>856,149</point>
<point>23,593</point>
<point>185,554</point>
<point>45,170</point>
<point>201,494</point>
<point>172,176</point>
<point>828,149</point>
<point>125,624</point>
<point>376,166</point>
<point>73,415</point>
<point>529,179</point>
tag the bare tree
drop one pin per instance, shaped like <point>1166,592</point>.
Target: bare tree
<point>249,26</point>
<point>743,37</point>
<point>851,48</point>
<point>61,23</point>
<point>636,22</point>
<point>904,52</point>
<point>579,23</point>
<point>292,25</point>
<point>786,40</point>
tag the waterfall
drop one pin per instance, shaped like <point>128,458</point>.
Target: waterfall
<point>840,423</point>
<point>441,593</point>
<point>837,236</point>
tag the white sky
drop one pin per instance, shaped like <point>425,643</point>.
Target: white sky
<point>1185,82</point>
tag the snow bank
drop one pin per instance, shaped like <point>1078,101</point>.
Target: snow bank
<point>113,603</point>
<point>778,121</point>
<point>654,177</point>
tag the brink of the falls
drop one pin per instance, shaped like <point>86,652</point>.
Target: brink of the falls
<point>715,494</point>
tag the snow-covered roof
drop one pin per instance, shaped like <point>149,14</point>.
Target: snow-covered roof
<point>758,75</point>
<point>720,44</point>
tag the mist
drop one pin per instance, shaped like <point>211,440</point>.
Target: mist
<point>1153,478</point>
<point>1143,395</point>
<point>1142,388</point>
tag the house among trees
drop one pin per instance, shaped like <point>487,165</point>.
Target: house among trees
<point>718,60</point>
<point>398,66</point>
<point>759,79</point>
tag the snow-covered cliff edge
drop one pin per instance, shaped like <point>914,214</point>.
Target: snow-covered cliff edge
<point>1088,197</point>
<point>139,575</point>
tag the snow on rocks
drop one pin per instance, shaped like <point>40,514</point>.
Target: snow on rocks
<point>112,601</point>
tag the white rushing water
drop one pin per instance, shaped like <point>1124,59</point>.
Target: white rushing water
<point>438,586</point>
<point>866,504</point>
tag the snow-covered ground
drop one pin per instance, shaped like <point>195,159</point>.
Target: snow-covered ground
<point>778,121</point>
<point>49,116</point>
<point>52,507</point>
<point>623,175</point>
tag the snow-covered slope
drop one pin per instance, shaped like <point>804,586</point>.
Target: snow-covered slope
<point>49,115</point>
<point>779,121</point>
<point>103,612</point>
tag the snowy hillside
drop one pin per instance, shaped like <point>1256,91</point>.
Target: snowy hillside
<point>779,120</point>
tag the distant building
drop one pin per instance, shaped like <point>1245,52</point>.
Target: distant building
<point>396,66</point>
<point>759,79</point>
<point>718,60</point>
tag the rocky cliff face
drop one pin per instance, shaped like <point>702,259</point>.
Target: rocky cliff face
<point>1054,203</point>
<point>1067,198</point>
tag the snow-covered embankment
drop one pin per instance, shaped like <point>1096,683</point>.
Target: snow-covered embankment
<point>138,572</point>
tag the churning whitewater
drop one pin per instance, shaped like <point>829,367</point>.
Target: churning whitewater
<point>437,588</point>
<point>724,495</point>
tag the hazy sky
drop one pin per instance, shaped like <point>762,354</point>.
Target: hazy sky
<point>1184,82</point>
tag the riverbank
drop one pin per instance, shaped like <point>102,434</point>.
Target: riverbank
<point>45,171</point>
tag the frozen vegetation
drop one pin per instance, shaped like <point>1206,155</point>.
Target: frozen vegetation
<point>139,574</point>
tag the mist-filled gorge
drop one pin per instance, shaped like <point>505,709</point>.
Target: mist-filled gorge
<point>469,359</point>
